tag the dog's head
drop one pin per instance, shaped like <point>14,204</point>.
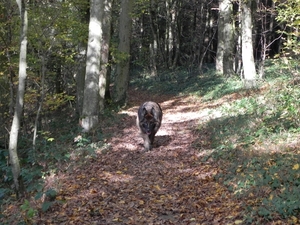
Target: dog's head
<point>148,123</point>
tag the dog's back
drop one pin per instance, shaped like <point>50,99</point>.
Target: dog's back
<point>149,121</point>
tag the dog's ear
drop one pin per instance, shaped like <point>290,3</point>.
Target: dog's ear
<point>153,112</point>
<point>144,111</point>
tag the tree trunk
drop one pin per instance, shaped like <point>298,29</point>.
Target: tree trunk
<point>172,33</point>
<point>228,40</point>
<point>204,43</point>
<point>153,47</point>
<point>221,38</point>
<point>238,48</point>
<point>90,110</point>
<point>152,61</point>
<point>13,139</point>
<point>106,28</point>
<point>170,15</point>
<point>38,113</point>
<point>107,85</point>
<point>247,45</point>
<point>122,74</point>
<point>80,77</point>
<point>81,62</point>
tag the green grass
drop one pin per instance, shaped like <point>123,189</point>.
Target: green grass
<point>180,82</point>
<point>255,143</point>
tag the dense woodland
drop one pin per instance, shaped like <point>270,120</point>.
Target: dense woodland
<point>76,62</point>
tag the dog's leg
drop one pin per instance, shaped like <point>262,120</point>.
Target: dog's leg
<point>147,142</point>
<point>151,138</point>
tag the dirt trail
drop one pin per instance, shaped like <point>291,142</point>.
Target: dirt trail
<point>126,185</point>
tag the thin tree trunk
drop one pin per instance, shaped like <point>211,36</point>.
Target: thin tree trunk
<point>106,28</point>
<point>153,53</point>
<point>153,47</point>
<point>172,32</point>
<point>122,74</point>
<point>177,30</point>
<point>40,102</point>
<point>90,112</point>
<point>80,77</point>
<point>228,41</point>
<point>205,17</point>
<point>170,15</point>
<point>13,139</point>
<point>238,49</point>
<point>221,38</point>
<point>107,85</point>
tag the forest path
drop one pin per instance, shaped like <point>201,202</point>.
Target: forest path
<point>167,185</point>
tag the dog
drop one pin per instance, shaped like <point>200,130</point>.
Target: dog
<point>148,121</point>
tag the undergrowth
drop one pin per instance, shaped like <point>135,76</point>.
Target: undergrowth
<point>255,143</point>
<point>60,146</point>
<point>207,85</point>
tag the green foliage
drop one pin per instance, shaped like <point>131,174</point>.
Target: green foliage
<point>29,212</point>
<point>119,57</point>
<point>182,82</point>
<point>53,102</point>
<point>5,175</point>
<point>254,141</point>
<point>49,198</point>
<point>85,146</point>
<point>288,14</point>
<point>3,192</point>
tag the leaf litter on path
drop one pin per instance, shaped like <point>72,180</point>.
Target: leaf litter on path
<point>168,185</point>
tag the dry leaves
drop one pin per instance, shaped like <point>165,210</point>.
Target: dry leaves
<point>168,185</point>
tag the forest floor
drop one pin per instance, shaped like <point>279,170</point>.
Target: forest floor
<point>171,184</point>
<point>167,185</point>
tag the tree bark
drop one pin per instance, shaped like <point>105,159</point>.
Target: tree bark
<point>221,38</point>
<point>80,77</point>
<point>153,47</point>
<point>228,40</point>
<point>38,113</point>
<point>90,112</point>
<point>13,138</point>
<point>247,45</point>
<point>122,74</point>
<point>238,48</point>
<point>106,28</point>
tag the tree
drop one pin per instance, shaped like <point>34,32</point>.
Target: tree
<point>90,110</point>
<point>122,73</point>
<point>13,138</point>
<point>224,57</point>
<point>84,15</point>
<point>172,33</point>
<point>267,37</point>
<point>247,44</point>
<point>106,28</point>
<point>153,47</point>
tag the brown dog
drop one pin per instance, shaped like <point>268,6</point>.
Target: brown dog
<point>148,121</point>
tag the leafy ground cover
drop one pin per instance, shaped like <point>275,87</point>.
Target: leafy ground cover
<point>223,155</point>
